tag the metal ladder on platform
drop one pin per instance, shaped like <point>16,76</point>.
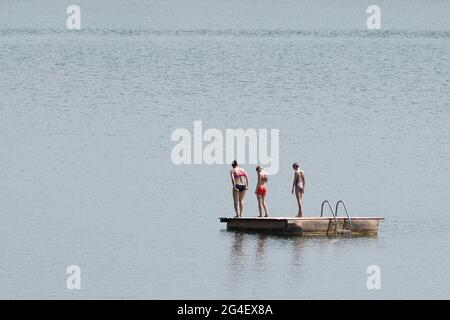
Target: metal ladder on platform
<point>335,216</point>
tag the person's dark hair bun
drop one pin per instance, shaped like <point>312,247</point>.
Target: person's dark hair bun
<point>234,164</point>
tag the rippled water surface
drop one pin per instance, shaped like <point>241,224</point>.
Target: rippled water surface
<point>85,171</point>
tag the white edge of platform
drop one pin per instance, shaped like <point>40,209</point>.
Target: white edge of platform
<point>298,218</point>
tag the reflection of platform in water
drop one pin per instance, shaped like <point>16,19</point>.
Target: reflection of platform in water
<point>306,225</point>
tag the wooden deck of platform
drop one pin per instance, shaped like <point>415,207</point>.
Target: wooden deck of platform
<point>306,225</point>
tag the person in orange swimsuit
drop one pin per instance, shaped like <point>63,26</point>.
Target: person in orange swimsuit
<point>239,180</point>
<point>261,190</point>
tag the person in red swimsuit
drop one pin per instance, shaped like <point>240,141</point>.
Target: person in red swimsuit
<point>261,190</point>
<point>239,180</point>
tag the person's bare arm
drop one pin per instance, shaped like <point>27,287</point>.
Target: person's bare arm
<point>303,179</point>
<point>246,181</point>
<point>232,180</point>
<point>257,185</point>
<point>294,182</point>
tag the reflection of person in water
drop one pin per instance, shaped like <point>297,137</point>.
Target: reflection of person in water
<point>237,253</point>
<point>260,252</point>
<point>237,248</point>
<point>261,244</point>
<point>236,264</point>
<point>297,246</point>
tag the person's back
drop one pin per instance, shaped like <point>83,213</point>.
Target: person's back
<point>239,175</point>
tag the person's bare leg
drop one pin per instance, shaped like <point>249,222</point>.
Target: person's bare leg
<point>264,206</point>
<point>260,205</point>
<point>301,204</point>
<point>298,195</point>
<point>236,202</point>
<point>241,202</point>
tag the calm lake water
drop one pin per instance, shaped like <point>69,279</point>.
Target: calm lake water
<point>86,176</point>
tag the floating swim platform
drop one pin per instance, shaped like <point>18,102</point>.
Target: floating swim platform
<point>306,225</point>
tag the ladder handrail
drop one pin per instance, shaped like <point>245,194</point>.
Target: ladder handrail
<point>329,205</point>
<point>346,212</point>
<point>332,212</point>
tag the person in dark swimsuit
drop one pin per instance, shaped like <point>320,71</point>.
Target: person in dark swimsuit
<point>261,190</point>
<point>239,180</point>
<point>298,185</point>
